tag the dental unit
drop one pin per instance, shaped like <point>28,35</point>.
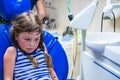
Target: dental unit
<point>101,60</point>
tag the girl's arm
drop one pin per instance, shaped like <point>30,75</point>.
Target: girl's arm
<point>49,64</point>
<point>41,9</point>
<point>53,74</point>
<point>9,61</point>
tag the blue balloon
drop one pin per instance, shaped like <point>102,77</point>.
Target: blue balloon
<point>11,8</point>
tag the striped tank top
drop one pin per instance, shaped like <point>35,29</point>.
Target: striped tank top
<point>24,70</point>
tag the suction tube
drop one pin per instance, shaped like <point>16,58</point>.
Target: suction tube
<point>70,15</point>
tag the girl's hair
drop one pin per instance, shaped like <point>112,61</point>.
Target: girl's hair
<point>29,22</point>
<point>26,22</point>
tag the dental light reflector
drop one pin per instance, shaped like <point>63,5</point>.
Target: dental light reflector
<point>83,19</point>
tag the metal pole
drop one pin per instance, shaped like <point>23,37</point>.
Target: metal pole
<point>82,49</point>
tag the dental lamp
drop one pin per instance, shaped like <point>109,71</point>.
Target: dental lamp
<point>83,19</point>
<point>82,22</point>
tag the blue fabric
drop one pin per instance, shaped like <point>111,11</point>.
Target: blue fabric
<point>54,48</point>
<point>33,2</point>
<point>11,8</point>
<point>5,41</point>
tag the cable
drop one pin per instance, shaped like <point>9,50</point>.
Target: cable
<point>68,6</point>
<point>102,21</point>
<point>114,20</point>
<point>70,17</point>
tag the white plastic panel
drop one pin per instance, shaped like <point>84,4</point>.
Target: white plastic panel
<point>99,69</point>
<point>113,53</point>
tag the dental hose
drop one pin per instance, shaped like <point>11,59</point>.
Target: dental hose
<point>70,17</point>
<point>106,18</point>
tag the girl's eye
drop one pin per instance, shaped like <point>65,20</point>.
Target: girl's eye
<point>27,39</point>
<point>37,39</point>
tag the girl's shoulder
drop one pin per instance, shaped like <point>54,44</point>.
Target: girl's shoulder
<point>10,52</point>
<point>11,49</point>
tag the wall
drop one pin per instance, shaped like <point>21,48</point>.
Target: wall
<point>76,7</point>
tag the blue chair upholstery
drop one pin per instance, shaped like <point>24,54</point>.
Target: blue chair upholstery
<point>10,9</point>
<point>58,55</point>
<point>54,48</point>
<point>4,43</point>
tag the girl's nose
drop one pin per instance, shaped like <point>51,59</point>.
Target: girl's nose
<point>31,43</point>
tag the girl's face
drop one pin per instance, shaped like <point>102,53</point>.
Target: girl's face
<point>28,41</point>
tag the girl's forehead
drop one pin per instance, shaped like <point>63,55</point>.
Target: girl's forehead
<point>30,34</point>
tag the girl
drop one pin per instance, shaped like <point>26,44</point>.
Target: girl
<point>28,58</point>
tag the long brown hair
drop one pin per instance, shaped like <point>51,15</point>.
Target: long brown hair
<point>27,22</point>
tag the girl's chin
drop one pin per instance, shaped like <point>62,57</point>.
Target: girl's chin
<point>29,52</point>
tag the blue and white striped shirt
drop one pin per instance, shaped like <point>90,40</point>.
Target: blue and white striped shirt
<point>24,69</point>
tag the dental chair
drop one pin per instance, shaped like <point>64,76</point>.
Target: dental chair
<point>54,48</point>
